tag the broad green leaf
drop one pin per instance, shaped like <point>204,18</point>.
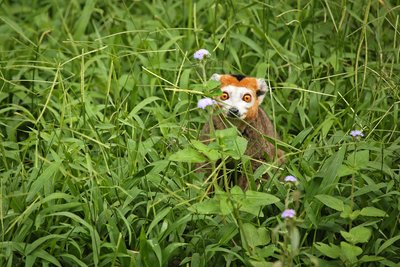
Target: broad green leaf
<point>188,155</point>
<point>226,134</point>
<point>209,206</point>
<point>350,252</point>
<point>357,234</point>
<point>254,201</point>
<point>255,236</point>
<point>332,251</point>
<point>211,154</point>
<point>331,202</point>
<point>359,159</point>
<point>212,84</point>
<point>361,234</point>
<point>346,211</point>
<point>373,212</point>
<point>225,206</point>
<point>255,198</point>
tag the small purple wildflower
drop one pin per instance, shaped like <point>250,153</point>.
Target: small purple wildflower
<point>290,179</point>
<point>200,54</point>
<point>356,134</point>
<point>288,213</point>
<point>204,102</point>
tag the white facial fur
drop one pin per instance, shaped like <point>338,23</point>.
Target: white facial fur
<point>235,100</point>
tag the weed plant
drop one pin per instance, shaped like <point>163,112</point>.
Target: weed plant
<point>98,130</point>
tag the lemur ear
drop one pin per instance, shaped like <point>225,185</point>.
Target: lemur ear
<point>215,77</point>
<point>263,88</point>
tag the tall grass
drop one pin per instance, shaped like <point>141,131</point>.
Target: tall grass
<point>97,99</point>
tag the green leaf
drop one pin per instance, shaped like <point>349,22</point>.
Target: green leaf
<point>357,234</point>
<point>13,25</point>
<point>212,84</point>
<point>160,215</point>
<point>329,171</point>
<point>350,252</point>
<point>209,206</point>
<point>30,248</point>
<point>387,244</point>
<point>211,154</point>
<point>188,155</point>
<point>47,257</point>
<point>43,179</point>
<point>368,258</point>
<point>84,19</point>
<point>225,206</point>
<point>361,234</point>
<point>196,260</point>
<point>373,212</point>
<point>254,236</point>
<point>169,250</point>
<point>332,251</point>
<point>142,104</point>
<point>332,202</point>
<point>262,69</point>
<point>255,198</point>
<point>156,249</point>
<point>254,201</point>
<point>346,211</point>
<point>226,134</point>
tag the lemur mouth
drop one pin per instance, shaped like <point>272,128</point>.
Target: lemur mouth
<point>234,113</point>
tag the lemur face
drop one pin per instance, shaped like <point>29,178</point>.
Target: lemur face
<point>241,95</point>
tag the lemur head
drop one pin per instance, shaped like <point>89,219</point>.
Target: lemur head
<point>241,95</point>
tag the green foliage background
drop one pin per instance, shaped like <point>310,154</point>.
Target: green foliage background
<point>95,96</point>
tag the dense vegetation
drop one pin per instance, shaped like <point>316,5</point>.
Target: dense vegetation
<point>98,130</point>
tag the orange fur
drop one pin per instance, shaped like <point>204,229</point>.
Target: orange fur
<point>247,82</point>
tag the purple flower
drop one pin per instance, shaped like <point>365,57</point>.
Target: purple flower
<point>200,54</point>
<point>356,134</point>
<point>204,102</point>
<point>290,179</point>
<point>288,213</point>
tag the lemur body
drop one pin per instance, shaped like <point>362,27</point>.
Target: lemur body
<point>240,102</point>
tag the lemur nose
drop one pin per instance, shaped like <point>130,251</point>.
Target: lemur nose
<point>233,112</point>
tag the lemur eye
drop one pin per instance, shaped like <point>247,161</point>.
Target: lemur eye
<point>224,96</point>
<point>247,98</point>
